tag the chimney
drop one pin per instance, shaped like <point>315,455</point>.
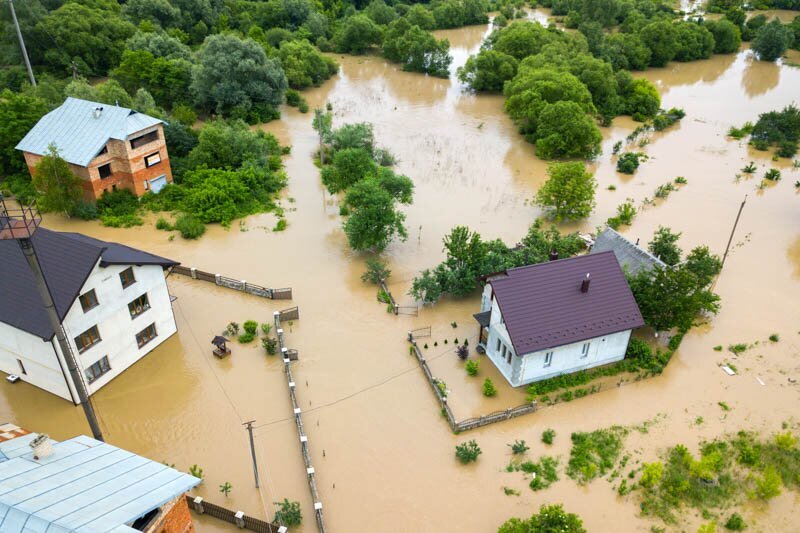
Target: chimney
<point>585,283</point>
<point>553,255</point>
<point>97,112</point>
<point>42,447</point>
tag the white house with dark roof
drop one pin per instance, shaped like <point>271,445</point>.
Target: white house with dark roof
<point>540,321</point>
<point>112,300</point>
<point>107,146</point>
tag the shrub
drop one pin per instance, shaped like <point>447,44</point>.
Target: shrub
<point>163,224</point>
<point>462,351</point>
<point>293,97</point>
<point>190,226</point>
<point>519,447</point>
<point>638,349</point>
<point>120,221</point>
<point>270,345</point>
<point>544,473</point>
<point>442,386</point>
<point>250,326</point>
<point>288,513</point>
<point>628,162</point>
<point>471,367</point>
<point>774,337</point>
<point>266,328</point>
<point>652,474</point>
<point>595,453</point>
<point>548,435</point>
<point>280,225</point>
<point>468,452</point>
<point>488,388</point>
<point>196,471</point>
<point>377,271</point>
<point>785,441</point>
<point>773,174</point>
<point>226,488</point>
<point>246,337</point>
<point>85,211</point>
<point>735,523</point>
<point>232,328</point>
<point>768,485</point>
<point>737,348</point>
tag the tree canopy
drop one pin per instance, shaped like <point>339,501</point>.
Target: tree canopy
<point>568,192</point>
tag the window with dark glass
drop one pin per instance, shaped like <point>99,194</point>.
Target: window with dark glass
<point>147,138</point>
<point>87,339</point>
<point>139,305</point>
<point>146,335</point>
<point>104,170</point>
<point>127,278</point>
<point>88,300</point>
<point>152,159</point>
<point>98,369</point>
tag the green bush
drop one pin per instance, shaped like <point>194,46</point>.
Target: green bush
<point>190,226</point>
<point>548,435</point>
<point>163,224</point>
<point>471,367</point>
<point>280,225</point>
<point>595,453</point>
<point>288,513</point>
<point>120,221</point>
<point>545,473</point>
<point>468,452</point>
<point>246,337</point>
<point>250,326</point>
<point>85,211</point>
<point>488,388</point>
<point>118,203</point>
<point>519,447</point>
<point>735,523</point>
<point>628,162</point>
<point>768,485</point>
<point>270,345</point>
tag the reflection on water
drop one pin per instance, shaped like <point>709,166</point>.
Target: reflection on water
<point>385,445</point>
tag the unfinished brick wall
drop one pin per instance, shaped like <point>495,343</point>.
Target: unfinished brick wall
<point>174,518</point>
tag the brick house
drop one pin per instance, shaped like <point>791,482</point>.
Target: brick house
<point>86,486</point>
<point>109,147</point>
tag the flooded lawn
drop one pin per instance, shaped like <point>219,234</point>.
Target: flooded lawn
<point>382,451</point>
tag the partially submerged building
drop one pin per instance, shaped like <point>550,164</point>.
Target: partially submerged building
<point>631,257</point>
<point>109,147</point>
<point>548,319</point>
<point>86,486</point>
<point>112,301</point>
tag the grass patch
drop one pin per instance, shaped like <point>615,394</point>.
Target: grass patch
<point>594,454</point>
<point>737,348</point>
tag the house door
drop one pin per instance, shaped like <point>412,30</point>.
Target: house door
<point>156,184</point>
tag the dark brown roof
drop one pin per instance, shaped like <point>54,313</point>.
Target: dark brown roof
<point>67,259</point>
<point>543,305</point>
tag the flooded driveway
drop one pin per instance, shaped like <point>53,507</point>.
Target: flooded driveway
<point>383,454</point>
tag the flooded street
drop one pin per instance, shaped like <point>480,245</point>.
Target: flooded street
<point>383,453</point>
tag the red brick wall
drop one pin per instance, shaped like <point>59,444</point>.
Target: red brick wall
<point>174,518</point>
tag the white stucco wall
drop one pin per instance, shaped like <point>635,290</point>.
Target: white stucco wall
<point>116,327</point>
<point>566,359</point>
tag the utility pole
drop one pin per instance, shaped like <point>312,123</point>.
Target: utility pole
<point>249,425</point>
<point>733,230</point>
<point>20,225</point>
<point>22,44</point>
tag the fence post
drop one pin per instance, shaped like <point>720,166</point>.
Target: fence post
<point>216,279</point>
<point>193,272</point>
<point>239,517</point>
<point>197,503</point>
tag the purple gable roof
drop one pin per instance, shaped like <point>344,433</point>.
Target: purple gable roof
<point>543,306</point>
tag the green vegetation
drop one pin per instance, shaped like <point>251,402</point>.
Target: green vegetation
<point>779,129</point>
<point>270,345</point>
<point>469,257</point>
<point>471,367</point>
<point>60,189</point>
<point>246,337</point>
<point>548,435</point>
<point>735,522</point>
<point>569,191</point>
<point>416,49</point>
<point>629,162</point>
<point>288,513</point>
<point>594,454</point>
<point>664,246</point>
<point>376,272</point>
<point>190,226</point>
<point>250,326</point>
<point>737,348</point>
<point>774,337</point>
<point>772,40</point>
<point>550,518</point>
<point>625,213</point>
<point>545,472</point>
<point>196,471</point>
<point>226,488</point>
<point>489,389</point>
<point>468,452</point>
<point>519,447</point>
<point>772,174</point>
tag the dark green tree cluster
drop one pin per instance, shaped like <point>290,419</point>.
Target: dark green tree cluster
<point>549,519</point>
<point>674,297</point>
<point>372,190</point>
<point>468,257</point>
<point>778,128</point>
<point>416,49</point>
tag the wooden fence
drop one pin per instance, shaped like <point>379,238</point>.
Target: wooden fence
<point>398,309</point>
<point>235,284</point>
<point>441,396</point>
<point>298,419</point>
<point>237,518</point>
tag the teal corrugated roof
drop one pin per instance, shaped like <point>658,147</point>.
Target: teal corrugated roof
<point>78,134</point>
<point>84,486</point>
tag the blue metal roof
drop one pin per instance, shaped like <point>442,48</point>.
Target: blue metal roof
<point>78,134</point>
<point>84,486</point>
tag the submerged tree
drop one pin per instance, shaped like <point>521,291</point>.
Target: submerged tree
<point>772,40</point>
<point>373,219</point>
<point>549,519</point>
<point>60,189</point>
<point>664,246</point>
<point>569,191</point>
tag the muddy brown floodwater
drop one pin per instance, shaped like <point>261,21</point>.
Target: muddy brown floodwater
<point>383,453</point>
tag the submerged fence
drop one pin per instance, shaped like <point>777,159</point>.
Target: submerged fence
<point>469,423</point>
<point>238,518</point>
<point>235,284</point>
<point>298,418</point>
<point>396,308</point>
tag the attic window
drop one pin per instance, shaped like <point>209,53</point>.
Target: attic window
<point>142,140</point>
<point>103,150</point>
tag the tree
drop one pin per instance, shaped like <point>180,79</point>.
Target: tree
<point>661,38</point>
<point>416,49</point>
<point>322,123</point>
<point>664,246</point>
<point>60,189</point>
<point>419,15</point>
<point>233,76</point>
<point>231,144</point>
<point>289,513</point>
<point>727,36</point>
<point>565,130</point>
<point>91,37</point>
<point>449,14</point>
<point>159,44</point>
<point>374,220</point>
<point>167,80</point>
<point>488,70</point>
<point>304,65</point>
<point>349,167</point>
<point>18,114</point>
<point>377,271</point>
<point>356,34</point>
<point>160,12</point>
<point>694,41</point>
<point>703,264</point>
<point>380,13</point>
<point>641,98</point>
<point>550,519</point>
<point>522,39</point>
<point>625,51</point>
<point>568,192</point>
<point>772,41</point>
